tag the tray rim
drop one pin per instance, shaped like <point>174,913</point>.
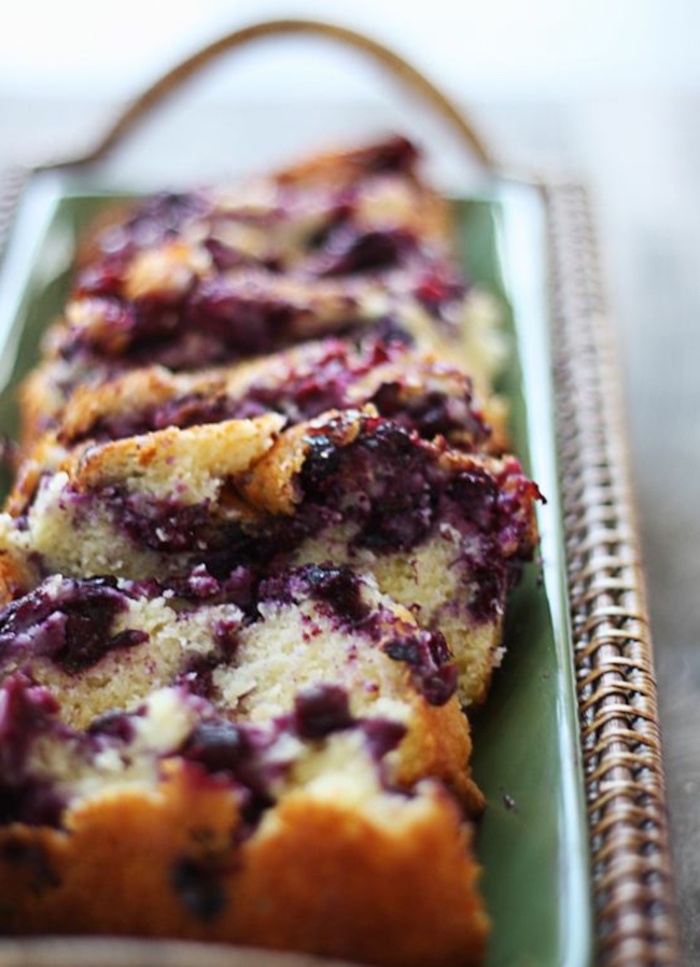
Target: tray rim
<point>634,902</point>
<point>634,895</point>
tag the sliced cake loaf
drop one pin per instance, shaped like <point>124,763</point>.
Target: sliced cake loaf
<point>254,565</point>
<point>344,246</point>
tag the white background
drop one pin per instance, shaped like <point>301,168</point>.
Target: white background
<point>528,48</point>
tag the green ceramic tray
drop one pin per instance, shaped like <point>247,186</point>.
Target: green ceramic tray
<point>532,840</point>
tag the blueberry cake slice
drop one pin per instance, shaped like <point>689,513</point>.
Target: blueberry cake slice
<point>337,247</point>
<point>414,389</point>
<point>100,644</point>
<point>296,728</point>
<point>445,543</point>
<point>286,835</point>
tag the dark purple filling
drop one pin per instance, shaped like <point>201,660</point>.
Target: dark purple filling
<point>155,219</point>
<point>339,588</point>
<point>432,669</point>
<point>164,525</point>
<point>382,736</point>
<point>198,675</point>
<point>400,491</point>
<point>349,252</point>
<point>322,710</point>
<point>198,883</point>
<point>240,753</point>
<point>113,724</point>
<point>248,324</point>
<point>431,413</point>
<point>386,481</point>
<point>27,711</point>
<point>390,476</point>
<point>395,154</point>
<point>218,321</point>
<point>71,625</point>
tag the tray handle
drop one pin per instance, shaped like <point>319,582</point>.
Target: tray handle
<point>408,75</point>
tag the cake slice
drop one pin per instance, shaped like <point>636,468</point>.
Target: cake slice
<point>414,389</point>
<point>175,822</point>
<point>100,645</point>
<point>442,531</point>
<point>341,246</point>
<point>243,773</point>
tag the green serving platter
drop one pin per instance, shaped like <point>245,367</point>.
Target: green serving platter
<point>533,838</point>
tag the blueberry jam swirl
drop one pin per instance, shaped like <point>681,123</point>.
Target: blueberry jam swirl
<point>305,391</point>
<point>68,622</point>
<point>338,593</point>
<point>349,475</point>
<point>251,759</point>
<point>27,712</point>
<point>230,308</point>
<point>399,488</point>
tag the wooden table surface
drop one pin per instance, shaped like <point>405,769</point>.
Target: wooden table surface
<point>641,156</point>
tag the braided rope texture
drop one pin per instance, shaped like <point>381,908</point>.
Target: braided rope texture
<point>630,854</point>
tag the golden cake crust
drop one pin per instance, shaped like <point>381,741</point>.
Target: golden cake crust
<point>299,882</point>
